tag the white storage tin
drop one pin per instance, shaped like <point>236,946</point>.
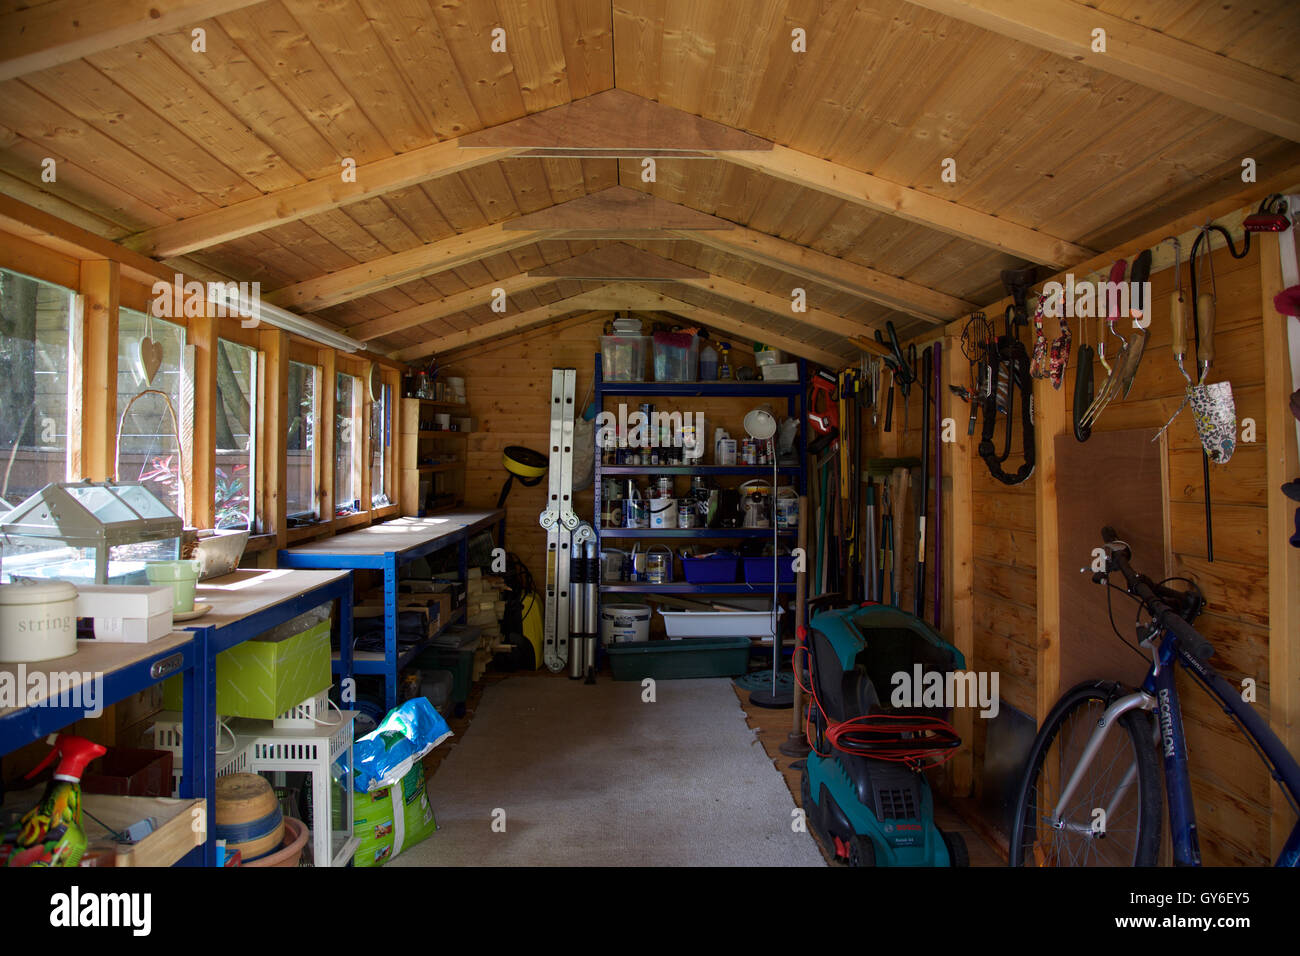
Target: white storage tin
<point>38,621</point>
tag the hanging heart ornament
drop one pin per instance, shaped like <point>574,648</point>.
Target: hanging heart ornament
<point>151,358</point>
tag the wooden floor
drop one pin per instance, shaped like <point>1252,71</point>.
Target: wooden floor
<point>774,727</point>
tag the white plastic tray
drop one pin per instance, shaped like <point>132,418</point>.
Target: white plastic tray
<point>719,623</point>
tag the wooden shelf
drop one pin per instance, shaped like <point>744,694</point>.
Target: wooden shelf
<point>441,406</point>
<point>446,466</point>
<point>444,433</point>
<point>412,439</point>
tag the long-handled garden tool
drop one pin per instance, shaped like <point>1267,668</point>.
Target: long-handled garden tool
<point>923,495</point>
<point>1110,387</point>
<point>1137,342</point>
<point>1083,390</point>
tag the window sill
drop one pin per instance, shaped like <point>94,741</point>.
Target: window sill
<point>260,542</point>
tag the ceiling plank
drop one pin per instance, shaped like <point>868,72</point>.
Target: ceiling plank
<point>620,211</point>
<point>309,199</point>
<point>447,305</point>
<point>620,262</point>
<point>867,283</point>
<point>1141,55</point>
<point>367,278</point>
<point>615,120</point>
<point>871,192</point>
<point>49,34</point>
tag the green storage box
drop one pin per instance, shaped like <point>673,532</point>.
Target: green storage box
<point>687,657</point>
<point>459,661</point>
<point>263,679</point>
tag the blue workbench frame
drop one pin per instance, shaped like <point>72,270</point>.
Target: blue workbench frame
<point>389,562</point>
<point>211,641</point>
<point>27,725</point>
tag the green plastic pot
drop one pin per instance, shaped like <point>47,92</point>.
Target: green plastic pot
<point>183,576</point>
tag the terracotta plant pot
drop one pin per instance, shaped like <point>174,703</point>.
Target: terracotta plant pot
<point>290,852</point>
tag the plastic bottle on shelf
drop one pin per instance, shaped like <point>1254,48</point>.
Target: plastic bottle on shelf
<point>708,364</point>
<point>724,362</point>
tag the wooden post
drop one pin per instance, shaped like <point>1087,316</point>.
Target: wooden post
<point>1050,420</point>
<point>272,429</point>
<point>325,435</point>
<point>200,491</point>
<point>958,563</point>
<point>1283,559</point>
<point>92,450</point>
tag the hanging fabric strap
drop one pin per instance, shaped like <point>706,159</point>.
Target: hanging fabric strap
<point>1008,356</point>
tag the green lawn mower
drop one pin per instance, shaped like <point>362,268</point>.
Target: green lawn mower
<point>864,791</point>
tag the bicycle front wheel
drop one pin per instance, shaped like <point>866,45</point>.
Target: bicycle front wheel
<point>1112,817</point>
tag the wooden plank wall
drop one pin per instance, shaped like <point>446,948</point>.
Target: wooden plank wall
<point>1232,789</point>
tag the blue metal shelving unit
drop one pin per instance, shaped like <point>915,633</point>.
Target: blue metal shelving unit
<point>351,551</point>
<point>796,395</point>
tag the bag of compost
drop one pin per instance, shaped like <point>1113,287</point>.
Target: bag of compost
<point>392,819</point>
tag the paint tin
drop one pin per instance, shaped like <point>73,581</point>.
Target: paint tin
<point>636,514</point>
<point>658,565</point>
<point>663,513</point>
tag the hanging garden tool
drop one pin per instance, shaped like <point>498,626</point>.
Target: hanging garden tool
<point>823,412</point>
<point>938,484</point>
<point>1109,309</point>
<point>902,373</point>
<point>975,337</point>
<point>1010,363</point>
<point>1213,406</point>
<point>1083,392</point>
<point>1138,305</point>
<point>923,494</point>
<point>1178,332</point>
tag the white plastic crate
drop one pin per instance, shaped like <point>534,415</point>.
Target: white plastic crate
<point>306,715</point>
<point>167,736</point>
<point>755,624</point>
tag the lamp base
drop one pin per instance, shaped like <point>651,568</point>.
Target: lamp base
<point>779,699</point>
<point>796,745</point>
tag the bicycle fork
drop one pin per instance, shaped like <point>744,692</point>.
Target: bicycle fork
<point>1139,700</point>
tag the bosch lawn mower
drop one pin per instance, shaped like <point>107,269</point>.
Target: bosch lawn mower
<point>865,795</point>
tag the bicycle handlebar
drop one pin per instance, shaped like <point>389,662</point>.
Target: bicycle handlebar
<point>1166,617</point>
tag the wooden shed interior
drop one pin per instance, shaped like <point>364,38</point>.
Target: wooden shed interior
<point>480,186</point>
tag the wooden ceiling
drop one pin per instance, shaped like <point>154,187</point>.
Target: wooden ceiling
<point>825,166</point>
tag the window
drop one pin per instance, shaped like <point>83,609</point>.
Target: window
<point>34,382</point>
<point>300,443</point>
<point>150,448</point>
<point>380,441</point>
<point>347,450</point>
<point>236,435</point>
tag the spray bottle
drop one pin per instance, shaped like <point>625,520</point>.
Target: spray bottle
<point>50,833</point>
<point>724,362</point>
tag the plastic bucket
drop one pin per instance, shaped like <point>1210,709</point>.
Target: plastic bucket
<point>183,576</point>
<point>624,623</point>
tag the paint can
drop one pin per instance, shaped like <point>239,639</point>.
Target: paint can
<point>624,623</point>
<point>659,565</point>
<point>663,513</point>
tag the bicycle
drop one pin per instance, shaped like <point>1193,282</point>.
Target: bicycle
<point>1091,793</point>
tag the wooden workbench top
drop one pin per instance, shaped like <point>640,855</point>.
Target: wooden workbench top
<point>247,591</point>
<point>400,534</point>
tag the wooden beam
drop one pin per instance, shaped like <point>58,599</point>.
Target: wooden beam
<point>1283,560</point>
<point>100,284</point>
<point>867,283</point>
<point>441,308</point>
<point>1141,55</point>
<point>615,121</point>
<point>620,262</point>
<point>273,429</point>
<point>878,195</point>
<point>367,278</point>
<point>777,305</point>
<point>47,34</point>
<point>579,302</point>
<point>310,198</point>
<point>618,210</point>
<point>200,503</point>
<point>959,570</point>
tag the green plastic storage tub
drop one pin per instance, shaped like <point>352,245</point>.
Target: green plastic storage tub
<point>672,660</point>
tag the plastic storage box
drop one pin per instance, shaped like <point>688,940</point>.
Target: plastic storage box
<point>746,624</point>
<point>677,357</point>
<point>673,660</point>
<point>759,570</point>
<point>712,569</point>
<point>623,357</point>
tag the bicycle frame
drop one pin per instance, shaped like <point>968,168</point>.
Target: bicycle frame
<point>1159,693</point>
